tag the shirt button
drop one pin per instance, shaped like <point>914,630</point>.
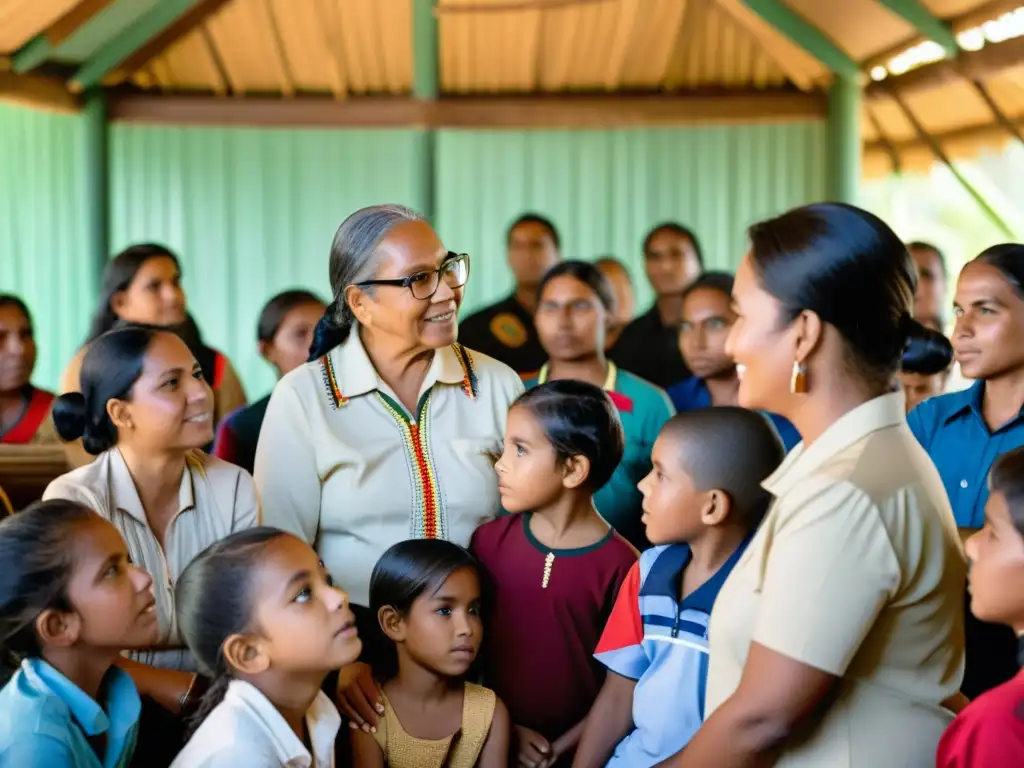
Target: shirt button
<point>963,483</point>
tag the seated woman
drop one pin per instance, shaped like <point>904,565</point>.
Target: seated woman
<point>925,367</point>
<point>142,285</point>
<point>143,411</point>
<point>284,334</point>
<point>708,316</point>
<point>24,409</point>
<point>574,309</point>
<point>389,432</point>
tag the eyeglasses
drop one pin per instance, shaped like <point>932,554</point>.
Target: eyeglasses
<point>423,285</point>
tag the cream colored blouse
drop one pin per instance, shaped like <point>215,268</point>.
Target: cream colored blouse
<point>215,498</point>
<point>857,571</point>
<point>343,465</point>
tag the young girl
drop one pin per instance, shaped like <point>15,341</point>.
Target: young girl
<point>284,334</point>
<point>556,564</point>
<point>265,621</point>
<point>426,594</point>
<point>70,601</point>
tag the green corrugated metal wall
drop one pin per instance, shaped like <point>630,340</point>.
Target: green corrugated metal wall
<point>44,253</point>
<point>605,189</point>
<point>252,211</point>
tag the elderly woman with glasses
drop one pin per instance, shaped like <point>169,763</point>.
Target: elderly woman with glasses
<point>388,432</point>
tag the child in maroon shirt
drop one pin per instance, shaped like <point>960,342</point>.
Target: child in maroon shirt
<point>989,733</point>
<point>556,565</point>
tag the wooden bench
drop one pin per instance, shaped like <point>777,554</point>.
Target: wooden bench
<point>26,470</point>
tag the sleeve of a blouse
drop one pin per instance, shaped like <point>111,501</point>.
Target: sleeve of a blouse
<point>247,503</point>
<point>285,470</point>
<point>830,570</point>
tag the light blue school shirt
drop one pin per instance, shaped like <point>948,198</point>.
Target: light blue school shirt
<point>45,720</point>
<point>954,433</point>
<point>643,409</point>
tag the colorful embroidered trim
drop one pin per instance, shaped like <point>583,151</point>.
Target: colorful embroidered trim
<point>429,522</point>
<point>470,385</point>
<point>331,382</point>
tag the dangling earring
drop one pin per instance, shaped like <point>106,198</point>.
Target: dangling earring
<point>798,381</point>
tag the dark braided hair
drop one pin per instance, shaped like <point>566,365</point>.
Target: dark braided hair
<point>37,563</point>
<point>214,600</point>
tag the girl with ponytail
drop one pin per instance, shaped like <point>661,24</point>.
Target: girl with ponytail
<point>70,601</point>
<point>267,624</point>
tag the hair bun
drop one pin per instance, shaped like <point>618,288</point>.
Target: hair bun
<point>70,416</point>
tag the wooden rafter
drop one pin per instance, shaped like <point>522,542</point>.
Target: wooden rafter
<point>918,16</point>
<point>222,83</point>
<point>280,54</point>
<point>198,14</point>
<point>41,47</point>
<point>629,11</point>
<point>787,55</point>
<point>46,93</point>
<point>331,32</point>
<point>1001,117</point>
<point>883,139</point>
<point>691,25</point>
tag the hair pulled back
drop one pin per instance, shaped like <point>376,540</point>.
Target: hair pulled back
<point>354,258</point>
<point>112,364</point>
<point>584,272</point>
<point>118,275</point>
<point>847,266</point>
<point>37,562</point>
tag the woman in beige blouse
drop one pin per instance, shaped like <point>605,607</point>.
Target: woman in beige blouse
<point>143,411</point>
<point>837,641</point>
<point>388,432</point>
<point>142,284</point>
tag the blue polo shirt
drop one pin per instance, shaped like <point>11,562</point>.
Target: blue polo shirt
<point>643,409</point>
<point>46,720</point>
<point>662,643</point>
<point>692,394</point>
<point>954,433</point>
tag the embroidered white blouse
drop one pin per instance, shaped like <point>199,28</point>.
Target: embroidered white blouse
<point>341,463</point>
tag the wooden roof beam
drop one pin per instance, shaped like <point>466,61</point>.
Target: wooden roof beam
<point>149,36</point>
<point>974,65</point>
<point>918,16</point>
<point>43,46</point>
<point>39,92</point>
<point>805,35</point>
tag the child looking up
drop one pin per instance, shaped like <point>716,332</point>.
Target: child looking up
<point>702,503</point>
<point>555,563</point>
<point>70,601</point>
<point>266,622</point>
<point>989,733</point>
<point>427,597</point>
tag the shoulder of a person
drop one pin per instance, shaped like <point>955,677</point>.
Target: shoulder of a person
<point>32,712</point>
<point>493,532</point>
<point>305,384</point>
<point>494,373</point>
<point>992,717</point>
<point>216,470</point>
<point>655,399</point>
<point>929,415</point>
<point>89,481</point>
<point>625,553</point>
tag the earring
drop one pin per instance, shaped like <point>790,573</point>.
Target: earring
<point>798,381</point>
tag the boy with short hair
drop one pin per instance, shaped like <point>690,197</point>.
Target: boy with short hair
<point>989,733</point>
<point>703,501</point>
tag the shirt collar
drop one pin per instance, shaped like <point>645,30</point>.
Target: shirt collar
<point>971,400</point>
<point>665,577</point>
<point>322,723</point>
<point>609,380</point>
<point>126,495</point>
<point>119,695</point>
<point>878,413</point>
<point>356,375</point>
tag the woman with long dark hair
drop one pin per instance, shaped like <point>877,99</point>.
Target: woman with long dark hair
<point>838,637</point>
<point>142,286</point>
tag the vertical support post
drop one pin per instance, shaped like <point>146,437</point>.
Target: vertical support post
<point>845,99</point>
<point>97,180</point>
<point>424,88</point>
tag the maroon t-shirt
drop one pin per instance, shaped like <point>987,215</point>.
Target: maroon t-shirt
<point>989,733</point>
<point>541,639</point>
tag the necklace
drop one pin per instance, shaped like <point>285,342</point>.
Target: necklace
<point>549,561</point>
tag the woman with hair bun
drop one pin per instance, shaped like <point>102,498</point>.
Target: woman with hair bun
<point>837,640</point>
<point>389,432</point>
<point>144,411</point>
<point>965,432</point>
<point>925,367</point>
<point>142,286</point>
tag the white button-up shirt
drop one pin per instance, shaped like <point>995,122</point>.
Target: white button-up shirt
<point>341,463</point>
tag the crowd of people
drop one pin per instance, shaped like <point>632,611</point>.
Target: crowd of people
<point>731,531</point>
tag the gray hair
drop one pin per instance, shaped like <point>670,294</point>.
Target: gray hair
<point>354,258</point>
<point>354,255</point>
